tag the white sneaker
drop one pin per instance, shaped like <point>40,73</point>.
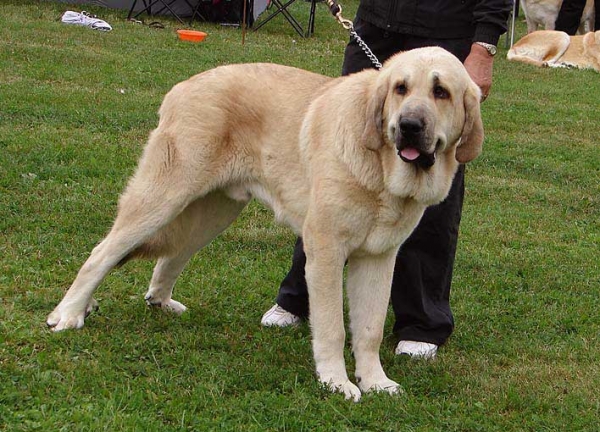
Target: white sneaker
<point>85,19</point>
<point>416,349</point>
<point>279,317</point>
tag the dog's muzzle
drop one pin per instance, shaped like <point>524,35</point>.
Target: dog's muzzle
<point>410,142</point>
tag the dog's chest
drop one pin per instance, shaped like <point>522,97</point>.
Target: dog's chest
<point>394,223</point>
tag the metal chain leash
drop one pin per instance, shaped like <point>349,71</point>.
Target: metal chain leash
<point>336,11</point>
<point>366,49</point>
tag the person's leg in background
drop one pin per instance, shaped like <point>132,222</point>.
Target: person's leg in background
<point>291,305</point>
<point>423,277</point>
<point>569,16</point>
<point>425,262</point>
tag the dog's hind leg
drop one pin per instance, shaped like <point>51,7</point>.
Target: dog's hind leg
<point>159,191</point>
<point>134,224</point>
<point>202,221</point>
<point>369,284</point>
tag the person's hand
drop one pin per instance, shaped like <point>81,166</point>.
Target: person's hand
<point>480,65</point>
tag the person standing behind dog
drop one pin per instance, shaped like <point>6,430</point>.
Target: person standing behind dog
<point>569,16</point>
<point>421,285</point>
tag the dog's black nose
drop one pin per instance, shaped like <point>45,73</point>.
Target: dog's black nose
<point>411,126</point>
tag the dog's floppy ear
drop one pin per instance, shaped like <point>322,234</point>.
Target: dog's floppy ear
<point>373,133</point>
<point>471,141</point>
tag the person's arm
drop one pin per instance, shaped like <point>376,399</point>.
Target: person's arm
<point>491,18</point>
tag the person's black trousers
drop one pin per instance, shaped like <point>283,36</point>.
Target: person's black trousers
<point>423,272</point>
<point>570,13</point>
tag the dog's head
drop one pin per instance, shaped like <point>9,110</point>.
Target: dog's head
<point>424,103</point>
<point>591,48</point>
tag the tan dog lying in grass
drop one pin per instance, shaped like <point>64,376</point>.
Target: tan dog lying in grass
<point>549,48</point>
<point>348,163</point>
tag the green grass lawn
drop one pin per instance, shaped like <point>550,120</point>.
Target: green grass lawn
<point>75,109</point>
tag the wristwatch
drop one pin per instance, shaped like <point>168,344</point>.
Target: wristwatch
<point>491,49</point>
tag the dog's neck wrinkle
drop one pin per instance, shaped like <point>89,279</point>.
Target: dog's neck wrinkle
<point>366,170</point>
<point>389,204</point>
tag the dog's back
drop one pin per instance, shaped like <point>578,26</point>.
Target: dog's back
<point>238,117</point>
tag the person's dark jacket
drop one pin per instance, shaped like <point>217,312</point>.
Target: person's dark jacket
<point>483,21</point>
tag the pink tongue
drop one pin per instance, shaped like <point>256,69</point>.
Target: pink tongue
<point>410,153</point>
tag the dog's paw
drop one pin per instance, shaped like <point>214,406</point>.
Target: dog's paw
<point>385,385</point>
<point>68,317</point>
<point>346,387</point>
<point>174,306</point>
<point>168,305</point>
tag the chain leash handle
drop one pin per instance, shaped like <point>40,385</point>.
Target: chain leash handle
<point>336,11</point>
<point>366,49</point>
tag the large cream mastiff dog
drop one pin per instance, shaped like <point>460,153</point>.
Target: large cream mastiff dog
<point>349,163</point>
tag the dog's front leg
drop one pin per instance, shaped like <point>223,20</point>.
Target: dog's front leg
<point>369,284</point>
<point>324,277</point>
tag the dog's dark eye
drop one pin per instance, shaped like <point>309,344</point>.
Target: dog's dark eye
<point>440,92</point>
<point>401,89</point>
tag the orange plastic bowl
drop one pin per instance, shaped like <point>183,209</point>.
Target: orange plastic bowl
<point>191,35</point>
